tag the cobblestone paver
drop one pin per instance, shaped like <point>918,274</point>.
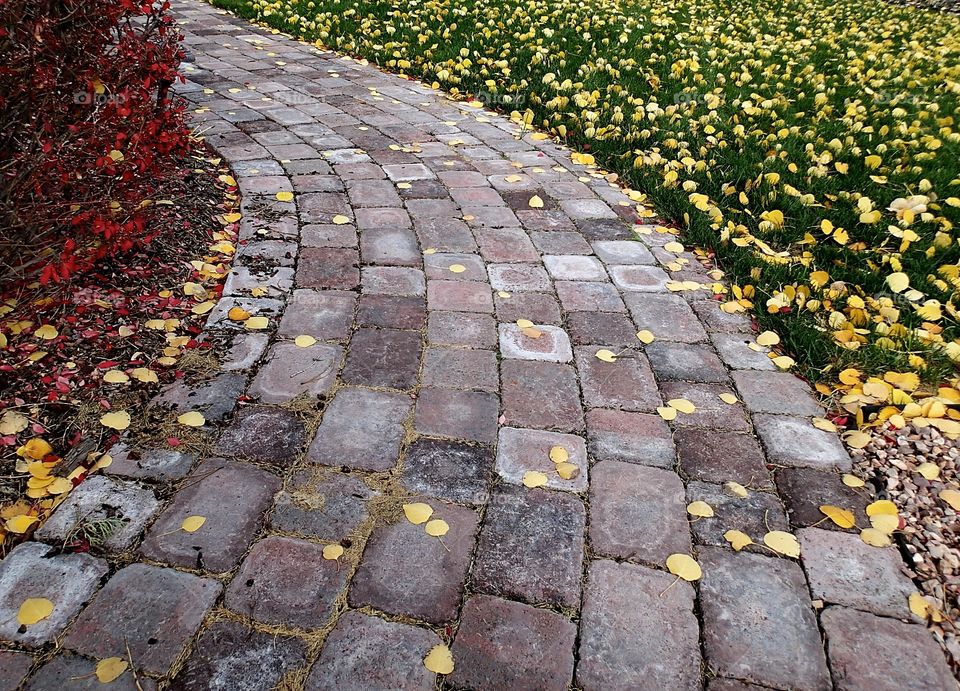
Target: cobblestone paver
<point>409,252</point>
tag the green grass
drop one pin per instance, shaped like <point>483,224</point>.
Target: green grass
<point>659,87</point>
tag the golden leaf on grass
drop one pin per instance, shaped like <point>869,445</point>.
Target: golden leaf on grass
<point>700,509</point>
<point>898,282</point>
<point>192,524</point>
<point>256,323</point>
<point>457,268</point>
<point>684,566</point>
<point>34,609</point>
<point>736,489</point>
<point>192,419</point>
<point>534,478</point>
<point>536,202</point>
<point>952,497</point>
<point>47,332</point>
<point>341,220</point>
<point>875,538</point>
<point>118,420</point>
<point>882,506</point>
<point>856,439</point>
<point>284,196</point>
<point>783,362</point>
<point>645,336</point>
<point>667,413</point>
<point>852,480</point>
<point>930,471</point>
<point>782,542</point>
<point>436,528</point>
<point>682,405</point>
<point>842,517</point>
<point>110,669</point>
<point>439,660</point>
<point>558,454</point>
<point>417,512</point>
<point>568,471</point>
<point>738,540</point>
<point>19,524</point>
<point>332,552</point>
<point>304,341</point>
<point>824,424</point>
<point>237,314</point>
<point>768,338</point>
<point>606,355</point>
<point>728,398</point>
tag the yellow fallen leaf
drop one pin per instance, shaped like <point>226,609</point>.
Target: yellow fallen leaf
<point>118,420</point>
<point>203,307</point>
<point>192,419</point>
<point>856,439</point>
<point>882,506</point>
<point>824,424</point>
<point>738,540</point>
<point>536,202</point>
<point>606,355</point>
<point>875,538</point>
<point>404,185</point>
<point>524,323</point>
<point>60,485</point>
<point>952,497</point>
<point>341,220</point>
<point>684,566</point>
<point>436,528</point>
<point>332,552</point>
<point>34,609</point>
<point>116,376</point>
<point>700,509</point>
<point>457,268</point>
<point>682,405</point>
<point>885,523</point>
<point>19,524</point>
<point>534,478</point>
<point>110,669</point>
<point>728,398</point>
<point>783,362</point>
<point>768,338</point>
<point>417,512</point>
<point>558,454</point>
<point>439,660</point>
<point>667,413</point>
<point>782,542</point>
<point>674,247</point>
<point>237,314</point>
<point>532,332</point>
<point>503,294</point>
<point>284,196</point>
<point>47,332</point>
<point>304,341</point>
<point>645,336</point>
<point>567,471</point>
<point>145,375</point>
<point>842,517</point>
<point>736,489</point>
<point>898,282</point>
<point>256,323</point>
<point>192,524</point>
<point>852,480</point>
<point>930,471</point>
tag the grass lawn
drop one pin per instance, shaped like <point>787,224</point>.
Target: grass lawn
<point>813,145</point>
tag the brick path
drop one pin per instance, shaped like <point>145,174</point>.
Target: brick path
<point>421,387</point>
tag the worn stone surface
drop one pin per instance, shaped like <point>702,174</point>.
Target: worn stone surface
<point>449,470</point>
<point>470,415</point>
<point>685,361</point>
<point>637,630</point>
<point>401,554</point>
<point>776,392</point>
<point>456,368</point>
<point>290,371</point>
<point>67,580</point>
<point>531,546</point>
<point>870,652</point>
<point>758,621</point>
<point>627,384</point>
<point>668,317</point>
<point>145,613</point>
<point>543,395</point>
<point>524,450</point>
<point>552,345</point>
<point>232,496</point>
<point>459,296</point>
<point>286,581</point>
<point>540,308</point>
<point>392,312</point>
<point>384,358</point>
<point>509,645</point>
<point>795,442</point>
<point>262,433</point>
<point>154,464</point>
<point>324,314</point>
<point>462,329</point>
<point>618,435</point>
<point>215,398</point>
<point>78,673</point>
<point>361,429</point>
<point>711,412</point>
<point>321,503</point>
<point>722,456</point>
<point>13,668</point>
<point>805,490</point>
<point>842,569</point>
<point>756,514</point>
<point>637,512</point>
<point>231,657</point>
<point>364,652</point>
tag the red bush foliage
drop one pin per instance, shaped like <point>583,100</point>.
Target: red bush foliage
<point>86,129</point>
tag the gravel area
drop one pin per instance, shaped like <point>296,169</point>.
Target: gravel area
<point>952,6</point>
<point>930,529</point>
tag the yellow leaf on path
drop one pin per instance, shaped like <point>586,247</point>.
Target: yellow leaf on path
<point>457,268</point>
<point>684,566</point>
<point>524,323</point>
<point>568,471</point>
<point>682,405</point>
<point>332,552</point>
<point>47,332</point>
<point>192,419</point>
<point>20,524</point>
<point>504,294</point>
<point>824,424</point>
<point>284,196</point>
<point>110,669</point>
<point>536,202</point>
<point>436,528</point>
<point>952,497</point>
<point>768,338</point>
<point>118,420</point>
<point>930,471</point>
<point>192,524</point>
<point>736,489</point>
<point>782,542</point>
<point>728,398</point>
<point>34,609</point>
<point>738,540</point>
<point>606,355</point>
<point>667,413</point>
<point>842,517</point>
<point>534,478</point>
<point>645,336</point>
<point>532,332</point>
<point>885,523</point>
<point>700,509</point>
<point>304,341</point>
<point>238,314</point>
<point>674,247</point>
<point>439,660</point>
<point>875,538</point>
<point>404,185</point>
<point>882,506</point>
<point>856,439</point>
<point>341,220</point>
<point>783,362</point>
<point>417,512</point>
<point>256,323</point>
<point>852,480</point>
<point>558,454</point>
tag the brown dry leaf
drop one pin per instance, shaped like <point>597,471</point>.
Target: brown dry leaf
<point>418,512</point>
<point>534,478</point>
<point>738,540</point>
<point>684,566</point>
<point>12,422</point>
<point>192,524</point>
<point>568,471</point>
<point>34,609</point>
<point>439,660</point>
<point>192,419</point>
<point>118,420</point>
<point>110,669</point>
<point>842,517</point>
<point>436,528</point>
<point>700,509</point>
<point>783,543</point>
<point>558,454</point>
<point>332,552</point>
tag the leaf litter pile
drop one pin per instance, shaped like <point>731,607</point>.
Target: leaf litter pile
<point>78,358</point>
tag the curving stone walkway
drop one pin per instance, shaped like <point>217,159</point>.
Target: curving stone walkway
<point>421,387</point>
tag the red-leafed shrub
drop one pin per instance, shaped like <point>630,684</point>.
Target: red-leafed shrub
<point>87,129</point>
